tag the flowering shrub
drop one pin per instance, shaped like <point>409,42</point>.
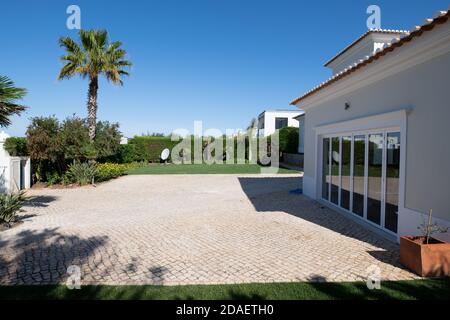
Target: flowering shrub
<point>107,171</point>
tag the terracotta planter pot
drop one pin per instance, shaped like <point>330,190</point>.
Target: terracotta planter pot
<point>427,260</point>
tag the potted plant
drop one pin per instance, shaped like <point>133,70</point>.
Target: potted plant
<point>425,255</point>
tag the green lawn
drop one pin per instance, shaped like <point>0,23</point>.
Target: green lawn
<point>202,169</point>
<point>417,289</point>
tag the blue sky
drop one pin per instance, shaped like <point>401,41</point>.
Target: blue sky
<point>219,61</point>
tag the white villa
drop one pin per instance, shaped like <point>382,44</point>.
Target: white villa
<point>271,120</point>
<point>376,133</point>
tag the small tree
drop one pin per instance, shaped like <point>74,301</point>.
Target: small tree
<point>44,146</point>
<point>429,228</point>
<point>107,139</point>
<point>74,139</point>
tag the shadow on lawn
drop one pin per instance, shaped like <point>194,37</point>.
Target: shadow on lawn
<point>42,257</point>
<point>268,194</point>
<point>417,289</point>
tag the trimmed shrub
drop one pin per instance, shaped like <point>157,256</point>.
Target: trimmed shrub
<point>107,171</point>
<point>16,146</point>
<point>149,148</point>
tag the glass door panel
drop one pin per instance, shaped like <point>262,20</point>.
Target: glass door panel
<point>335,160</point>
<point>374,182</point>
<point>326,169</point>
<point>392,180</point>
<point>345,172</point>
<point>359,159</point>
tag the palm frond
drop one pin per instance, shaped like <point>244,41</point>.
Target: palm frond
<point>9,94</point>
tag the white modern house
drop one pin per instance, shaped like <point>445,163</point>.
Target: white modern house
<point>15,172</point>
<point>301,132</point>
<point>271,120</point>
<point>376,133</point>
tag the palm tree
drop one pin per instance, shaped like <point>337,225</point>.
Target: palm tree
<point>92,57</point>
<point>252,124</point>
<point>8,96</point>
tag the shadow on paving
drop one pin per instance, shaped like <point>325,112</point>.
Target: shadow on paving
<point>42,257</point>
<point>268,199</point>
<point>40,201</point>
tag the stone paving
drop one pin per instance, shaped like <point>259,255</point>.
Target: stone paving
<point>189,229</point>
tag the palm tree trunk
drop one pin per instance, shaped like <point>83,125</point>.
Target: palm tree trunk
<point>92,107</point>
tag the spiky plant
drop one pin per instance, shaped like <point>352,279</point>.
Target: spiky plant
<point>9,94</point>
<point>92,57</point>
<point>10,205</point>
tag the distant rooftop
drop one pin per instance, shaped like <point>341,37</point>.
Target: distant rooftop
<point>369,32</point>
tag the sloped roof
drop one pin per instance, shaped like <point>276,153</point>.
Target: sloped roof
<point>440,18</point>
<point>370,31</point>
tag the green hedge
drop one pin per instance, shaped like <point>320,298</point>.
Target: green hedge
<point>149,148</point>
<point>146,148</point>
<point>16,146</point>
<point>288,140</point>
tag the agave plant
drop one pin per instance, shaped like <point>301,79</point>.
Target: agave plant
<point>81,173</point>
<point>10,205</point>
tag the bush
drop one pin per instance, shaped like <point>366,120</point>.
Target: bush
<point>81,173</point>
<point>16,146</point>
<point>54,178</point>
<point>288,140</point>
<point>10,205</point>
<point>53,145</point>
<point>125,154</point>
<point>107,139</point>
<point>107,171</point>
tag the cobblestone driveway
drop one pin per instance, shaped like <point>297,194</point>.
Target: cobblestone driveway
<point>189,229</point>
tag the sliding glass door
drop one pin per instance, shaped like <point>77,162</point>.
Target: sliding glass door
<point>360,174</point>
<point>358,177</point>
<point>392,180</point>
<point>346,152</point>
<point>374,162</point>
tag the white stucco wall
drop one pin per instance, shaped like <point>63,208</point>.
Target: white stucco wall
<point>414,77</point>
<point>301,134</point>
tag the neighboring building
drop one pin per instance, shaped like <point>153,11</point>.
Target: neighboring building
<point>123,140</point>
<point>271,120</point>
<point>301,133</point>
<point>376,133</point>
<point>15,172</point>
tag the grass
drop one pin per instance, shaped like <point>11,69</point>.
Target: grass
<point>202,169</point>
<point>415,289</point>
